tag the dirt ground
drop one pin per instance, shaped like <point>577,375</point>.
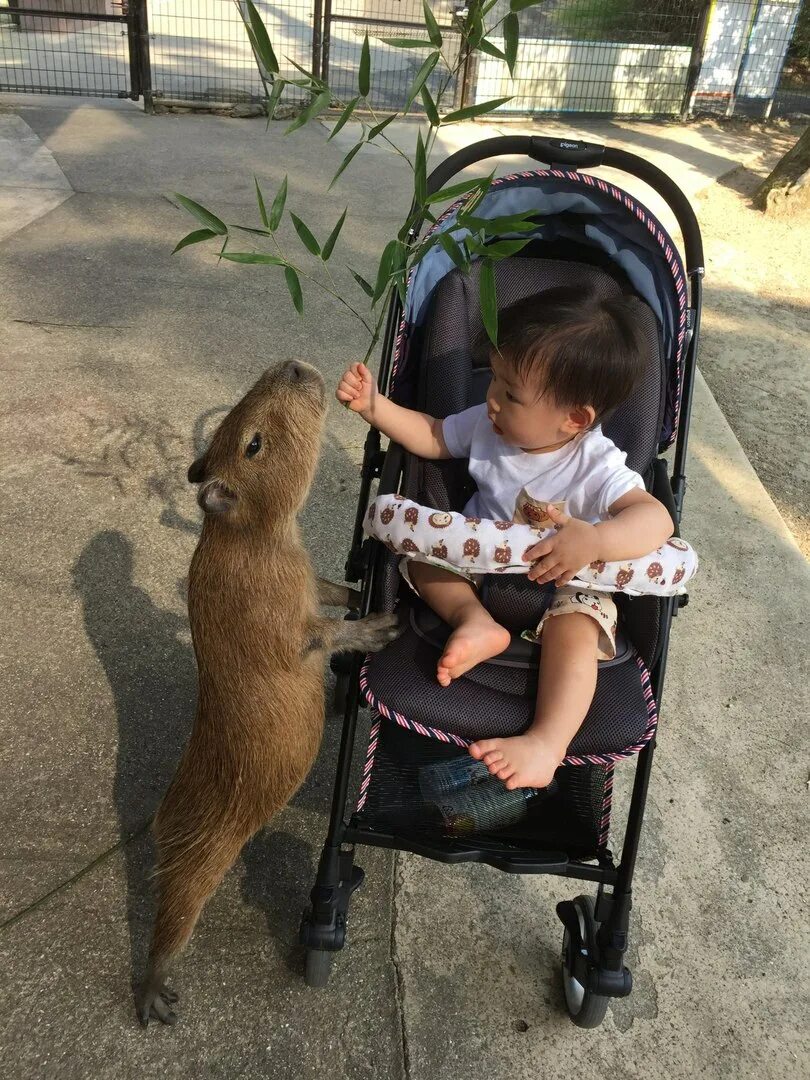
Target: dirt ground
<point>755,348</point>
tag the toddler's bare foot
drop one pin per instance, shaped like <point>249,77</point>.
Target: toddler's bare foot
<point>523,761</point>
<point>478,638</point>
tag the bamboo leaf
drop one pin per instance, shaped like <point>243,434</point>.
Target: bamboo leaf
<point>421,77</point>
<point>255,258</point>
<point>316,106</point>
<point>490,49</point>
<point>496,226</point>
<point>390,262</point>
<point>196,237</point>
<point>274,97</point>
<point>331,240</point>
<point>456,253</point>
<point>205,217</point>
<point>294,285</point>
<point>475,26</point>
<point>277,209</point>
<point>375,131</point>
<point>488,300</point>
<point>364,75</point>
<point>431,242</point>
<point>474,110</point>
<point>361,281</point>
<point>260,201</point>
<point>434,33</point>
<point>455,190</point>
<point>347,161</point>
<point>344,117</point>
<point>511,34</point>
<point>310,79</point>
<point>260,39</point>
<point>500,249</point>
<point>430,107</point>
<point>307,239</point>
<point>420,172</point>
<point>521,5</point>
<point>408,43</point>
<point>247,228</point>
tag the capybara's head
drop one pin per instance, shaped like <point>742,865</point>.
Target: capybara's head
<point>262,458</point>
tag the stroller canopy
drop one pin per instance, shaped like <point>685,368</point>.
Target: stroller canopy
<point>580,209</point>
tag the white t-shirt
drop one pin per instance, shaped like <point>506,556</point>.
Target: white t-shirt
<point>588,474</point>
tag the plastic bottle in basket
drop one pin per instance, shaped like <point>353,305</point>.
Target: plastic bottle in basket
<point>484,807</point>
<point>442,778</point>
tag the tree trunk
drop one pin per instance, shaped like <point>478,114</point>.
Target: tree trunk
<point>787,189</point>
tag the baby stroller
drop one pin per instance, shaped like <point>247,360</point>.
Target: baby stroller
<point>592,233</point>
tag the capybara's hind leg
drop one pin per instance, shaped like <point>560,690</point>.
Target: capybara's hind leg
<point>189,870</point>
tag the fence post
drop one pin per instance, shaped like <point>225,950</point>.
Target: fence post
<point>325,39</point>
<point>696,60</point>
<point>139,52</point>
<point>317,19</point>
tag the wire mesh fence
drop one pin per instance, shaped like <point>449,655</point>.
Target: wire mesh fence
<point>590,57</point>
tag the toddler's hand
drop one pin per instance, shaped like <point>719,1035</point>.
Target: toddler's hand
<point>563,555</point>
<point>357,390</point>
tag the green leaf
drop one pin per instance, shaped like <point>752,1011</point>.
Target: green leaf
<point>316,106</point>
<point>501,249</point>
<point>511,34</point>
<point>274,96</point>
<point>488,6</point>
<point>475,26</point>
<point>456,253</point>
<point>489,300</point>
<point>490,49</point>
<point>421,77</point>
<point>326,250</point>
<point>474,110</point>
<point>521,5</point>
<point>277,209</point>
<point>420,172</point>
<point>430,107</point>
<point>294,285</point>
<point>375,131</point>
<point>205,217</point>
<point>455,190</point>
<point>496,226</point>
<point>434,33</point>
<point>361,281</point>
<point>389,264</point>
<point>260,201</point>
<point>247,228</point>
<point>307,239</point>
<point>364,75</point>
<point>257,258</point>
<point>260,39</point>
<point>344,118</point>
<point>399,282</point>
<point>347,160</point>
<point>408,43</point>
<point>310,79</point>
<point>431,242</point>
<point>195,238</point>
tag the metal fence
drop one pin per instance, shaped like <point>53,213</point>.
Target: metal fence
<point>590,57</point>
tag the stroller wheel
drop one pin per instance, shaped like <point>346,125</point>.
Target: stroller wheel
<point>586,1009</point>
<point>319,965</point>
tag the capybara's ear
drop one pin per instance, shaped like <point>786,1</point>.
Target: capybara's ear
<point>196,471</point>
<point>216,499</point>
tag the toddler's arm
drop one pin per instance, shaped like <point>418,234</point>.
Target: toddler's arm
<point>417,432</point>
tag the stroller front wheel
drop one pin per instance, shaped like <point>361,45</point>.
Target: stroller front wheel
<point>586,1009</point>
<point>318,967</point>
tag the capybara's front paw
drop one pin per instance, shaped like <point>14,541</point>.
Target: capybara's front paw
<point>155,1003</point>
<point>374,632</point>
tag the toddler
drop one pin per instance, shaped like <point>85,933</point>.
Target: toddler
<point>536,451</point>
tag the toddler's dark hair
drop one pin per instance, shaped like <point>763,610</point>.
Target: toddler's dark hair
<point>582,349</point>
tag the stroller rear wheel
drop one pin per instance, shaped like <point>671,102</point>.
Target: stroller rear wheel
<point>586,1009</point>
<point>318,967</point>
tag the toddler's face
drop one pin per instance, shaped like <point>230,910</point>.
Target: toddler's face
<point>521,414</point>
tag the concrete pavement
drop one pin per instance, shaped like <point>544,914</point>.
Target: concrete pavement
<point>117,361</point>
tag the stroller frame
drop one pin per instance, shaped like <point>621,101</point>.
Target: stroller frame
<point>596,935</point>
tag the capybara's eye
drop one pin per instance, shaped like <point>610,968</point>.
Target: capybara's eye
<point>254,446</point>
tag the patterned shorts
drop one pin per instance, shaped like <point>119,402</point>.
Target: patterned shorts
<point>567,600</point>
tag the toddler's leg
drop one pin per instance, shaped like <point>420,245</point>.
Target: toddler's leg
<point>476,636</point>
<point>568,668</point>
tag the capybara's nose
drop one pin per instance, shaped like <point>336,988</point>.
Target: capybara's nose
<point>294,371</point>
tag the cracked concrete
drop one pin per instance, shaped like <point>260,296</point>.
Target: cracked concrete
<point>118,360</point>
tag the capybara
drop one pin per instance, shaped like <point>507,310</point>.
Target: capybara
<point>260,641</point>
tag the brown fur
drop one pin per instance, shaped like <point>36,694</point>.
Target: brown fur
<point>260,640</point>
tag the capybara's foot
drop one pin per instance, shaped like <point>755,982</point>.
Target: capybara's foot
<point>155,1003</point>
<point>369,634</point>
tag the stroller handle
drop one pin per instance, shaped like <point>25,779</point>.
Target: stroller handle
<point>575,154</point>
